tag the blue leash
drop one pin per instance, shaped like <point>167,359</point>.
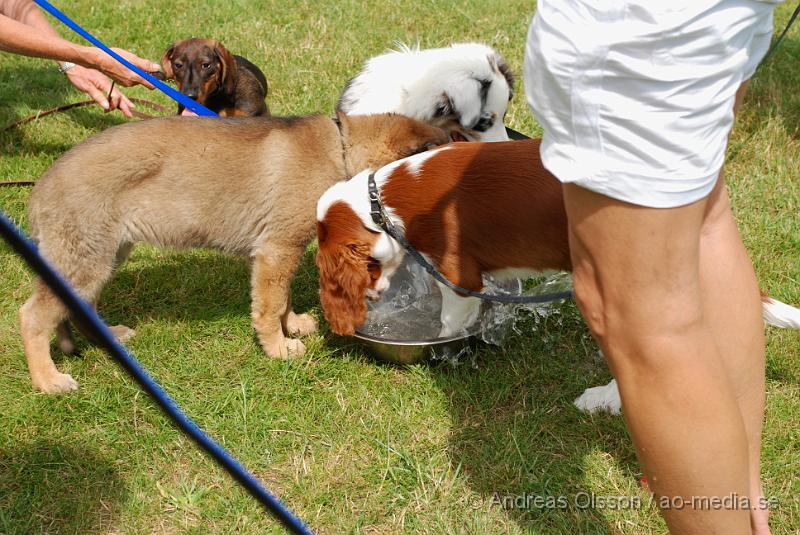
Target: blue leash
<point>188,103</point>
<point>88,318</point>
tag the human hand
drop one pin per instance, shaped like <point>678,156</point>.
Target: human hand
<point>97,85</point>
<point>123,76</point>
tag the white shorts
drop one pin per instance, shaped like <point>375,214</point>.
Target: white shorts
<point>635,97</point>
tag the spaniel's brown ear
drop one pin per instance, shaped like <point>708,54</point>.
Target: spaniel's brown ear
<point>228,69</point>
<point>343,280</point>
<point>166,62</point>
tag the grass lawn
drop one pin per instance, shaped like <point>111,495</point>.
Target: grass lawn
<point>350,444</point>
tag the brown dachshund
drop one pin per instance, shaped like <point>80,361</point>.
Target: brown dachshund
<point>222,82</point>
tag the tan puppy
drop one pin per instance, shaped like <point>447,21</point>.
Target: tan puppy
<point>246,187</point>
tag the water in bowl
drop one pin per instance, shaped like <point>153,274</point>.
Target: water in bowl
<point>410,308</point>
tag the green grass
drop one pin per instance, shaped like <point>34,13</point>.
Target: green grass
<point>350,444</point>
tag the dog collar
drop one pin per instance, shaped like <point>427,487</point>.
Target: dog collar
<point>375,207</point>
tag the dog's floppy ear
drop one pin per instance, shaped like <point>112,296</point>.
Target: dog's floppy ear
<point>228,68</point>
<point>166,62</point>
<point>343,281</point>
<point>505,70</point>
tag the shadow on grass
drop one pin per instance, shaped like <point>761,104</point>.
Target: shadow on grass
<point>18,141</point>
<point>38,89</point>
<point>516,433</point>
<point>193,286</point>
<point>48,486</point>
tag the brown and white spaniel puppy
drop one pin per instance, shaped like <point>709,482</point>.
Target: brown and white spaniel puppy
<point>470,208</point>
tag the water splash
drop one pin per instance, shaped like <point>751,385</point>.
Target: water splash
<point>410,309</point>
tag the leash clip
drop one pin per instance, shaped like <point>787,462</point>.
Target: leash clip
<point>378,218</point>
<point>376,209</point>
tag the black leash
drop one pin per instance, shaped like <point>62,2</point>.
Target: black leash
<point>382,220</point>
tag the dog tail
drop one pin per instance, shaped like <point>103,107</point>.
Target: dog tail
<point>780,314</point>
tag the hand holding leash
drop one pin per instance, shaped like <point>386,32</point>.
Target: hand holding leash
<point>118,72</point>
<point>100,89</point>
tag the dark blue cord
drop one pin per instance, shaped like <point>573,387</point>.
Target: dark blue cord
<point>196,107</point>
<point>86,316</point>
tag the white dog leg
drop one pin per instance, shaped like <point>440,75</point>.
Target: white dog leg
<point>600,398</point>
<point>780,314</point>
<point>458,312</point>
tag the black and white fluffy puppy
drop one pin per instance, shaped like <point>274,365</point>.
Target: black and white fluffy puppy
<point>463,89</point>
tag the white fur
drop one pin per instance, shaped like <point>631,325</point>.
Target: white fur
<point>458,312</point>
<point>412,82</point>
<point>519,273</point>
<point>354,191</point>
<point>780,314</point>
<point>600,398</point>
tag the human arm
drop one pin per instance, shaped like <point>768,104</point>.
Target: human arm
<point>25,30</point>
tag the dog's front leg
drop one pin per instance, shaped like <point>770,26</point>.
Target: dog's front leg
<point>458,313</point>
<point>273,269</point>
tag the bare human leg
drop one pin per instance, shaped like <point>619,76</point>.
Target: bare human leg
<point>638,283</point>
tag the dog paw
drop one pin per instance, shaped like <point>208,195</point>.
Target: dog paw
<point>600,398</point>
<point>295,347</point>
<point>58,383</point>
<point>300,324</point>
<point>290,347</point>
<point>122,333</point>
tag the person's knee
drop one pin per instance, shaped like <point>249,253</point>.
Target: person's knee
<point>633,327</point>
<point>589,300</point>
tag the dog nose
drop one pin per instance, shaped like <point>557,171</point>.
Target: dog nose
<point>191,94</point>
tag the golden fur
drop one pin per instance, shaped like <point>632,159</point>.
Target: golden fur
<point>243,186</point>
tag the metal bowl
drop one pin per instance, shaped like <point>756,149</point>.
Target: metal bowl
<point>410,351</point>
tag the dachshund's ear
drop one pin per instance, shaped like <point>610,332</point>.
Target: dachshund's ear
<point>166,62</point>
<point>228,70</point>
<point>343,280</point>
